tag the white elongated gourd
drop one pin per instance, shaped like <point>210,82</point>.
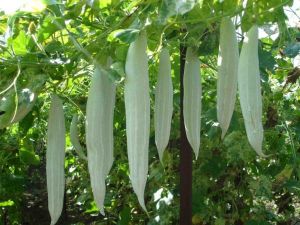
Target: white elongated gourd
<point>137,105</point>
<point>192,99</point>
<point>227,73</point>
<point>74,138</point>
<point>24,109</point>
<point>250,90</point>
<point>55,159</point>
<point>13,114</point>
<point>163,103</point>
<point>99,132</point>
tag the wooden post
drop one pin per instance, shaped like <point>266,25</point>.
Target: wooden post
<point>185,166</point>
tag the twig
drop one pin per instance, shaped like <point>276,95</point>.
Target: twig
<point>14,81</point>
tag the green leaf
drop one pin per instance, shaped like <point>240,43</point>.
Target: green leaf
<point>183,7</point>
<point>121,52</point>
<point>209,44</point>
<point>19,44</point>
<point>257,222</point>
<point>266,60</point>
<point>214,167</point>
<point>117,71</point>
<point>50,2</point>
<point>285,174</point>
<point>56,9</point>
<point>28,157</point>
<point>53,47</point>
<point>26,123</point>
<point>11,183</point>
<point>7,106</point>
<point>124,35</point>
<point>214,131</point>
<point>105,3</point>
<point>48,27</point>
<point>93,208</point>
<point>124,217</point>
<point>292,50</point>
<point>170,8</point>
<point>220,221</point>
<point>262,12</point>
<point>7,203</point>
<point>261,186</point>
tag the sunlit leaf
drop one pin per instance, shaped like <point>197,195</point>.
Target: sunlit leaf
<point>124,35</point>
<point>7,203</point>
<point>19,44</point>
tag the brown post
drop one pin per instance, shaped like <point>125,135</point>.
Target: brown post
<point>185,166</point>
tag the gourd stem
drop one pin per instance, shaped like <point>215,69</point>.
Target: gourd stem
<point>185,166</point>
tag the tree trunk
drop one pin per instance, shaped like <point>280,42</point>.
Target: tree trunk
<point>5,219</point>
<point>185,166</point>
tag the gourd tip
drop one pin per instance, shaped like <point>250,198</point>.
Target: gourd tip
<point>261,154</point>
<point>146,211</point>
<point>223,135</point>
<point>196,155</point>
<point>102,211</point>
<point>162,163</point>
<point>160,154</point>
<point>142,203</point>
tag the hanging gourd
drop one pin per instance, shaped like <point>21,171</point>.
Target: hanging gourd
<point>250,90</point>
<point>74,138</point>
<point>99,132</point>
<point>163,103</point>
<point>12,112</point>
<point>55,159</point>
<point>228,59</point>
<point>137,107</point>
<point>192,99</point>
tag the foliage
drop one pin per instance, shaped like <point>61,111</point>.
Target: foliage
<point>53,51</point>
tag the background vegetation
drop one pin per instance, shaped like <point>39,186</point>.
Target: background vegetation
<point>52,48</point>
